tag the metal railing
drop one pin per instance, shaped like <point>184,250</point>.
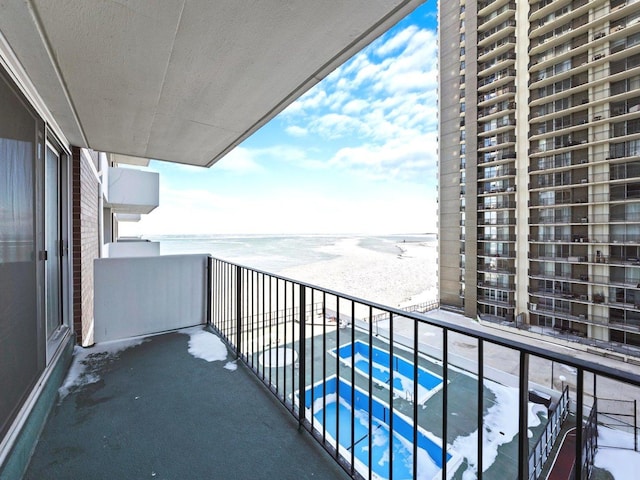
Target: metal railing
<point>543,447</point>
<point>316,351</point>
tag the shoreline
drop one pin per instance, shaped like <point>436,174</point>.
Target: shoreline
<point>393,279</point>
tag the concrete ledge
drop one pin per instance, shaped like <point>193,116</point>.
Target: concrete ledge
<point>565,343</point>
<point>31,421</point>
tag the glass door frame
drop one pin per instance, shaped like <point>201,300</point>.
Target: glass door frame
<point>55,339</point>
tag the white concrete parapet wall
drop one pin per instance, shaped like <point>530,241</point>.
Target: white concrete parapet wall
<point>145,295</point>
<point>132,249</point>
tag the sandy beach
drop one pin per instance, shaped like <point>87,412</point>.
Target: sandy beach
<point>407,277</point>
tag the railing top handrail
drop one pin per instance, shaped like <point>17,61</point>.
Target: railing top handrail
<point>586,365</point>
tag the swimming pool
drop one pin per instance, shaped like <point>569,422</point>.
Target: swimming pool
<point>359,356</point>
<point>331,401</point>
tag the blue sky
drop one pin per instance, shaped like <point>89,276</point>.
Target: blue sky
<point>355,154</point>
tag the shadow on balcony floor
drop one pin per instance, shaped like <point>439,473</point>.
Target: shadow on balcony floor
<point>158,412</point>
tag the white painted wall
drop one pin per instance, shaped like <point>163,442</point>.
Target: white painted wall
<point>132,191</point>
<point>132,249</point>
<point>141,296</point>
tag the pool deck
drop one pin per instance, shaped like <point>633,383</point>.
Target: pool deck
<point>157,412</point>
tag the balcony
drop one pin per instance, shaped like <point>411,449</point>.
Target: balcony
<point>243,408</point>
<point>132,191</point>
<point>132,248</point>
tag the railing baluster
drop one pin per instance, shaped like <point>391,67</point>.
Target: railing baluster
<point>523,417</point>
<point>238,311</point>
<point>209,290</point>
<point>313,357</point>
<point>445,395</point>
<point>324,367</point>
<point>480,407</point>
<point>264,319</point>
<point>353,390</point>
<point>302,358</point>
<point>284,345</point>
<point>579,421</point>
<point>391,386</point>
<point>337,376</point>
<point>416,382</point>
<point>277,347</point>
<point>370,407</point>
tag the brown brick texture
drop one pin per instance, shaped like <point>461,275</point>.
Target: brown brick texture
<point>86,241</point>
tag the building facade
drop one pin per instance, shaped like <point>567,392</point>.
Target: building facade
<point>539,190</point>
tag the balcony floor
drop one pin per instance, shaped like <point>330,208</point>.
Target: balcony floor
<point>158,412</point>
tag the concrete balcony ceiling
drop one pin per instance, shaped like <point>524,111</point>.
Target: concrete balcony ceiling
<point>183,81</point>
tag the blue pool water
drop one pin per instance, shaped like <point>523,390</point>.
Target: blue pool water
<point>363,358</point>
<point>331,401</point>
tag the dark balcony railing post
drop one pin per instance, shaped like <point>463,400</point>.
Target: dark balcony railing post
<point>480,406</point>
<point>445,394</point>
<point>239,297</point>
<point>302,357</point>
<point>579,421</point>
<point>523,417</point>
<point>209,293</point>
<point>635,425</point>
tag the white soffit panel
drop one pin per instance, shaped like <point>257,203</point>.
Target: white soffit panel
<point>183,80</point>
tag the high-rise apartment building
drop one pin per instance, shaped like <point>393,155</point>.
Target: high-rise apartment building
<point>539,190</point>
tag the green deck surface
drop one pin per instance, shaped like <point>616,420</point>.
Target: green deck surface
<point>160,413</point>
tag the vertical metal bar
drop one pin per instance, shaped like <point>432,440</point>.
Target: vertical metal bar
<point>209,294</point>
<point>228,294</point>
<point>277,334</point>
<point>302,356</point>
<point>284,349</point>
<point>250,330</point>
<point>480,406</point>
<point>353,385</point>
<point>324,367</point>
<point>370,408</point>
<point>391,386</point>
<point>264,320</point>
<point>445,396</point>
<point>337,376</point>
<point>238,311</point>
<point>579,422</point>
<point>246,296</point>
<point>635,425</point>
<point>523,417</point>
<point>270,329</point>
<point>313,357</point>
<point>416,380</point>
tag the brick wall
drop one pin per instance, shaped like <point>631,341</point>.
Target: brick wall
<point>86,241</point>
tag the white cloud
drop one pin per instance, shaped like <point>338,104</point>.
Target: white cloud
<point>296,131</point>
<point>404,159</point>
<point>239,160</point>
<point>354,106</point>
<point>396,42</point>
<point>385,98</point>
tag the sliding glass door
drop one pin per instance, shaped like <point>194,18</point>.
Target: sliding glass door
<point>52,242</point>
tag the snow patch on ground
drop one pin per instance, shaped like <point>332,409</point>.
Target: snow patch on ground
<point>617,458</point>
<point>500,427</point>
<point>206,345</point>
<point>278,357</point>
<point>233,366</point>
<point>87,361</point>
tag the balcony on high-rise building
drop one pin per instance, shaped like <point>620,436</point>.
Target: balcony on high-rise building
<point>266,359</point>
